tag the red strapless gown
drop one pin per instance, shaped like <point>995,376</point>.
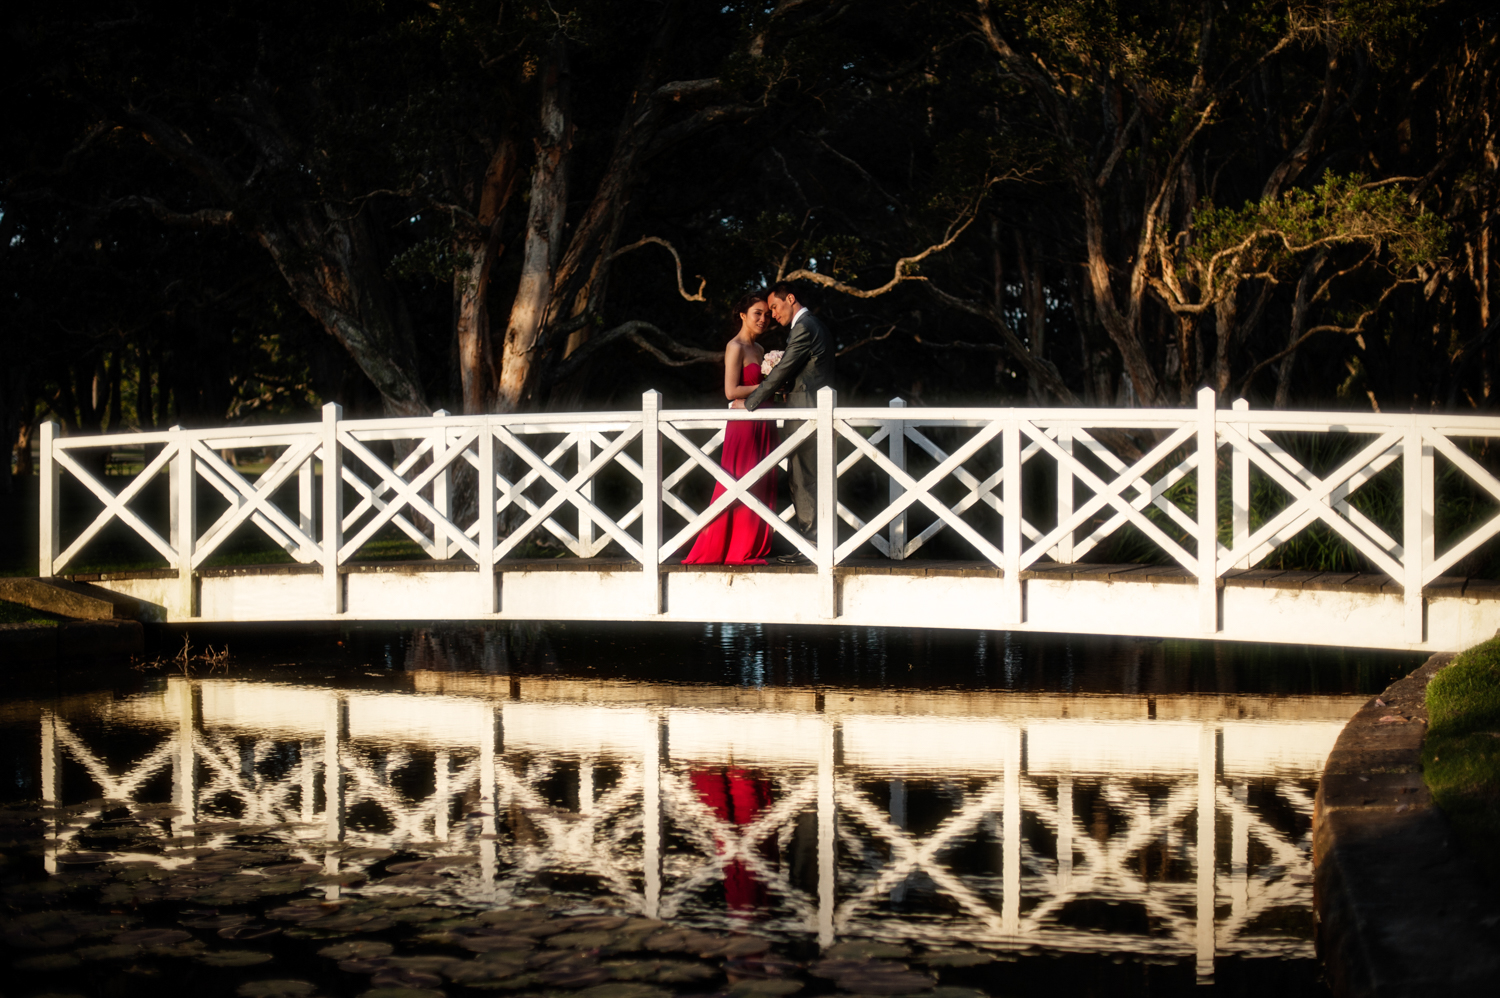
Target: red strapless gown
<point>737,536</point>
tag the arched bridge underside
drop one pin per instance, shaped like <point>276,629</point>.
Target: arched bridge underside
<point>1035,498</point>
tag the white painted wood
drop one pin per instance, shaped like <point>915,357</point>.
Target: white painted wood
<point>651,490</point>
<point>1412,541</point>
<point>827,833</point>
<point>333,508</point>
<point>185,527</point>
<point>49,502</point>
<point>896,430</point>
<point>1012,608</point>
<point>485,513</point>
<point>1207,895</point>
<point>1062,551</point>
<point>1208,513</point>
<point>442,499</point>
<point>827,503</point>
<point>307,516</point>
<point>1239,479</point>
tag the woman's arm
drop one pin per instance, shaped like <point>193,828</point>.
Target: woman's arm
<point>734,363</point>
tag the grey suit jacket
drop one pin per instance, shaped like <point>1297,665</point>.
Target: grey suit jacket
<point>807,363</point>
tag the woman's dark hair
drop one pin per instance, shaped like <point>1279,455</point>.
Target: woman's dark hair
<point>742,306</point>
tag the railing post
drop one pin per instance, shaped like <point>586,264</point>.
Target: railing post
<point>1208,513</point>
<point>1417,526</point>
<point>586,490</point>
<point>333,507</point>
<point>50,506</point>
<point>1063,552</point>
<point>1013,612</point>
<point>184,517</point>
<point>651,472</point>
<point>1239,491</point>
<point>897,431</point>
<point>442,499</point>
<point>828,491</point>
<point>484,509</point>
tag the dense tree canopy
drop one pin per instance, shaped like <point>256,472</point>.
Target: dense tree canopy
<point>490,205</point>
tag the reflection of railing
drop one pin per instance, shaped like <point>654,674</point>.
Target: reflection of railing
<point>963,469</point>
<point>495,768</point>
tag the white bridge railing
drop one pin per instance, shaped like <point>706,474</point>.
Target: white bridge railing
<point>1016,485</point>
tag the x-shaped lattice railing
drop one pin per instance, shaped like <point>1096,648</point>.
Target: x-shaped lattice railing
<point>407,493</point>
<point>565,490</point>
<point>736,489</point>
<point>721,843</point>
<point>116,505</point>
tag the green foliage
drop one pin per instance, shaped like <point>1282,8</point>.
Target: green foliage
<point>1266,236</point>
<point>1461,753</point>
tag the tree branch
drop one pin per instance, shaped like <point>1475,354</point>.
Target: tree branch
<point>202,218</point>
<point>681,289</point>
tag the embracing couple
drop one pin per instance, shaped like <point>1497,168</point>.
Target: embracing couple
<point>751,378</point>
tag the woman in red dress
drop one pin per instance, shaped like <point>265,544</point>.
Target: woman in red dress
<point>738,536</point>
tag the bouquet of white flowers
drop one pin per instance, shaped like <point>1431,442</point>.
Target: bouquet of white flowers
<point>772,358</point>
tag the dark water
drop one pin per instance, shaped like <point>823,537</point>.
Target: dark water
<point>546,810</point>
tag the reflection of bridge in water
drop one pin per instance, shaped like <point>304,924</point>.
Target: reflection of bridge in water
<point>1170,825</point>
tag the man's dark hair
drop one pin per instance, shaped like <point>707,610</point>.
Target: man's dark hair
<point>783,288</point>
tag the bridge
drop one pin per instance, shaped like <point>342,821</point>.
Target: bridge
<point>1013,812</point>
<point>1129,522</point>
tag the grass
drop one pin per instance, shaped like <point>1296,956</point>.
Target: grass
<point>1461,754</point>
<point>15,613</point>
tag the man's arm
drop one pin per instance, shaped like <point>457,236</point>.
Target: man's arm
<point>798,350</point>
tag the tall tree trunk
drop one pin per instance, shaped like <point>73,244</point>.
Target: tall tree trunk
<point>334,270</point>
<point>471,282</point>
<point>544,229</point>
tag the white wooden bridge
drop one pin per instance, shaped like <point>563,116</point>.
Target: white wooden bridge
<point>1194,812</point>
<point>1025,494</point>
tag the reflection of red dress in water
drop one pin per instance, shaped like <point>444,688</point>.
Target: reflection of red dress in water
<point>737,536</point>
<point>737,798</point>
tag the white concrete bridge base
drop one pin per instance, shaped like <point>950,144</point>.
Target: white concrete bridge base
<point>1330,608</point>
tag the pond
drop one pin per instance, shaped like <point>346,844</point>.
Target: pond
<point>632,812</point>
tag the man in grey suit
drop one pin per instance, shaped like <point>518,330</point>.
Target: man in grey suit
<point>808,364</point>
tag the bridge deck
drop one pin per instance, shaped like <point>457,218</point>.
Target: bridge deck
<point>1447,586</point>
<point>1326,608</point>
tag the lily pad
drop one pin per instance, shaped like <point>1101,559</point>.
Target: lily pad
<point>764,988</point>
<point>403,977</point>
<point>358,949</point>
<point>151,937</point>
<point>234,958</point>
<point>624,989</point>
<point>426,963</point>
<point>479,971</point>
<point>275,989</point>
<point>215,922</point>
<point>297,913</point>
<point>400,901</point>
<point>400,992</point>
<point>190,947</point>
<point>581,940</point>
<point>363,965</point>
<point>247,931</point>
<point>898,983</point>
<point>956,958</point>
<point>419,914</point>
<point>569,978</point>
<point>861,950</point>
